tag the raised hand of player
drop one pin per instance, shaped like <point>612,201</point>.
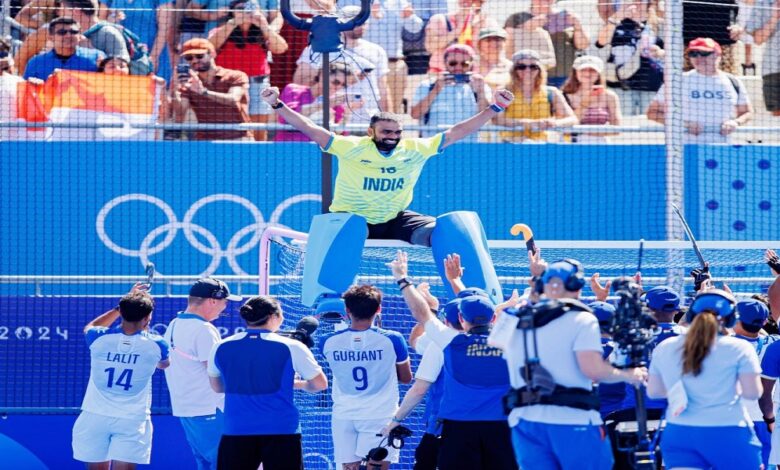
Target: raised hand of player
<point>400,265</point>
<point>139,287</point>
<point>537,265</point>
<point>425,289</point>
<point>601,292</point>
<point>270,95</point>
<point>700,275</point>
<point>503,98</point>
<point>773,261</point>
<point>452,268</point>
<point>511,302</point>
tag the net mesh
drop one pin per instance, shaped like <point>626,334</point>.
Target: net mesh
<point>743,269</point>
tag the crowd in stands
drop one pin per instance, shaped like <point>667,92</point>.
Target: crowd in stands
<point>434,60</point>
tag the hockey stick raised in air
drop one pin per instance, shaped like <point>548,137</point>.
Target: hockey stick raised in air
<point>150,272</point>
<point>641,253</point>
<point>690,236</point>
<point>528,235</point>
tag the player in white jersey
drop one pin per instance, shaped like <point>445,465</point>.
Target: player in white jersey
<point>115,424</point>
<point>367,363</point>
<point>192,336</point>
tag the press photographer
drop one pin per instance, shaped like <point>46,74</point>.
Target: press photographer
<point>454,95</point>
<point>553,351</point>
<point>256,370</point>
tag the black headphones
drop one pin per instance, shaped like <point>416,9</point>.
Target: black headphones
<point>395,440</point>
<point>573,283</point>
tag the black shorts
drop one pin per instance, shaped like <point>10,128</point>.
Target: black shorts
<point>476,445</point>
<point>771,89</point>
<point>400,227</point>
<point>274,451</point>
<point>427,452</point>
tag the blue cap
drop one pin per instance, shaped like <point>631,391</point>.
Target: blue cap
<point>472,291</point>
<point>603,311</point>
<point>212,288</point>
<point>331,305</point>
<point>477,310</point>
<point>717,301</point>
<point>451,311</point>
<point>662,299</point>
<point>752,312</point>
<point>560,269</point>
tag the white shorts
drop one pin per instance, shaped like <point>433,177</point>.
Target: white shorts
<point>98,438</point>
<point>353,438</point>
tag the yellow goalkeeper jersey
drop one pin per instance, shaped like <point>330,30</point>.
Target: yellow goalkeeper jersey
<point>374,185</point>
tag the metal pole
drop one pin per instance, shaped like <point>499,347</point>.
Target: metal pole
<point>674,131</point>
<point>327,159</point>
<point>5,26</point>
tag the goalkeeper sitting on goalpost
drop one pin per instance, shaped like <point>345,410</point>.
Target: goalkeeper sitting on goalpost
<point>375,182</point>
<point>377,173</point>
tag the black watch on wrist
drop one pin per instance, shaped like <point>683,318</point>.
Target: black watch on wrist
<point>769,420</point>
<point>404,280</point>
<point>278,105</point>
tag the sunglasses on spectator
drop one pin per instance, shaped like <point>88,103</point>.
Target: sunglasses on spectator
<point>194,56</point>
<point>65,32</point>
<point>699,53</point>
<point>525,66</point>
<point>465,63</point>
<point>336,81</point>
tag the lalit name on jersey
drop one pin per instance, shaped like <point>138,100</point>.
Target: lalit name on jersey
<point>122,358</point>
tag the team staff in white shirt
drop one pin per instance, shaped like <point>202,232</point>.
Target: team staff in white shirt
<point>367,363</point>
<point>703,374</point>
<point>114,426</point>
<point>192,336</point>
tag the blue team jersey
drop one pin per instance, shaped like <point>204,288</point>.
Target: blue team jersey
<point>610,395</point>
<point>365,381</point>
<point>432,407</point>
<point>121,371</point>
<point>258,369</point>
<point>475,380</point>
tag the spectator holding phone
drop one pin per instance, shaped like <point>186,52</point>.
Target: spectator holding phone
<point>243,43</point>
<point>453,95</point>
<point>215,94</point>
<point>308,100</point>
<point>593,104</point>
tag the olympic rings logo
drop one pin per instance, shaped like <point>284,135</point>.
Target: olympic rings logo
<point>150,246</point>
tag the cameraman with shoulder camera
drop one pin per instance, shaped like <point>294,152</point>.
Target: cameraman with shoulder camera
<point>452,96</point>
<point>553,409</point>
<point>257,370</point>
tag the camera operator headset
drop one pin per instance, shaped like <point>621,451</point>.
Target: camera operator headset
<point>698,373</point>
<point>257,370</point>
<point>554,354</point>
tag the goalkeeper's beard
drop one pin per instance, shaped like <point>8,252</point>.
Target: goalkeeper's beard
<point>386,145</point>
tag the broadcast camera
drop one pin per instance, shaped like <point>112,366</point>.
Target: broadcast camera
<point>395,440</point>
<point>633,330</point>
<point>303,331</point>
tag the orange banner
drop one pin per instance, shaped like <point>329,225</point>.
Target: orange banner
<point>125,94</point>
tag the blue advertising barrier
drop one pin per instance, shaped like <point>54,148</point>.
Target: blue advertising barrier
<point>104,208</point>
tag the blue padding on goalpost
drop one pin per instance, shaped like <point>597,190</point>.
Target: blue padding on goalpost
<point>461,232</point>
<point>333,253</point>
